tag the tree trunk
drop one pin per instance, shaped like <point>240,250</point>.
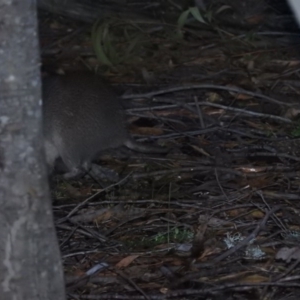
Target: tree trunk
<point>295,6</point>
<point>30,264</point>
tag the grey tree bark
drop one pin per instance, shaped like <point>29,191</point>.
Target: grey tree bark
<point>30,264</point>
<point>295,6</point>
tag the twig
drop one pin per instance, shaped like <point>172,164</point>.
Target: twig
<point>75,209</point>
<point>121,274</point>
<point>191,292</point>
<point>205,86</point>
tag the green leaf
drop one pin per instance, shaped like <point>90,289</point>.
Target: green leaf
<point>196,14</point>
<point>98,32</point>
<point>182,18</point>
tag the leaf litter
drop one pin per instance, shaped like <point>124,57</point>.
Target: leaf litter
<point>218,216</point>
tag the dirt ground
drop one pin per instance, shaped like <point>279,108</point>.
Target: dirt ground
<point>218,216</point>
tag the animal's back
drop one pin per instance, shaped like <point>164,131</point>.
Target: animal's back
<point>82,116</point>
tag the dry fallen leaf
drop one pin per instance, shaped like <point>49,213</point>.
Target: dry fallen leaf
<point>257,214</point>
<point>259,182</point>
<point>230,276</point>
<point>213,97</point>
<point>147,130</point>
<point>214,222</point>
<point>56,25</point>
<point>292,112</point>
<point>126,261</point>
<point>236,212</point>
<point>255,278</point>
<point>239,96</point>
<point>210,250</point>
<point>72,191</point>
<point>200,150</point>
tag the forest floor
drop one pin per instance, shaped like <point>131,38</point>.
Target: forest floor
<point>218,216</point>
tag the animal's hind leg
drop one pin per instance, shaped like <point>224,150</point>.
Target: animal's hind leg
<point>75,173</point>
<point>102,173</point>
<point>75,167</point>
